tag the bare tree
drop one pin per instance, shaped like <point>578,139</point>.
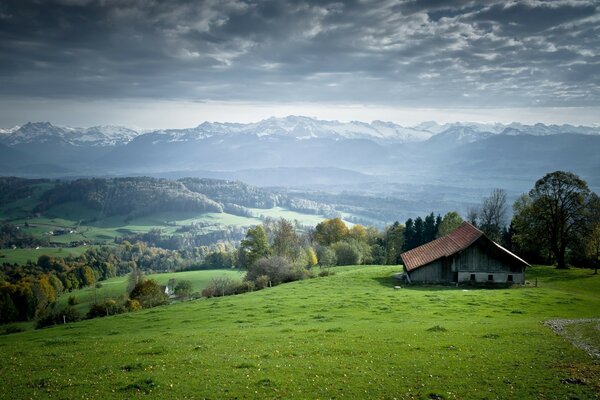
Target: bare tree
<point>492,217</point>
<point>473,215</point>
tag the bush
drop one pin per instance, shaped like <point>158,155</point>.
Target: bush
<point>262,282</point>
<point>220,286</point>
<point>68,314</point>
<point>326,256</point>
<point>133,305</point>
<point>12,329</point>
<point>183,289</point>
<point>346,253</point>
<point>109,307</point>
<point>277,269</point>
<point>98,285</point>
<point>326,272</point>
<point>149,294</point>
<point>72,300</point>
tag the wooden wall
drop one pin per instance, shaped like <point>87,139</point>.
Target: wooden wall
<point>481,259</point>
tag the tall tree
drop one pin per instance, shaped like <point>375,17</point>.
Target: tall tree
<point>255,245</point>
<point>555,213</point>
<point>285,240</point>
<point>492,216</point>
<point>429,229</point>
<point>409,235</point>
<point>394,242</point>
<point>450,222</point>
<point>419,231</point>
<point>330,231</point>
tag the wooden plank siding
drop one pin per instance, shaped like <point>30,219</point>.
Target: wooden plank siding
<point>478,261</point>
<point>465,254</point>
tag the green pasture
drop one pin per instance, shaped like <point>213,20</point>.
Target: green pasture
<point>115,288</point>
<point>279,212</point>
<point>351,335</point>
<point>21,256</point>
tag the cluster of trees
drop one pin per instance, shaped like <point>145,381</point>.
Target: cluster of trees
<point>12,236</point>
<point>132,197</point>
<point>29,291</point>
<point>188,236</point>
<point>558,221</point>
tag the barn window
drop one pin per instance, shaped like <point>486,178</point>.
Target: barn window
<point>490,277</point>
<point>510,278</point>
<point>472,277</point>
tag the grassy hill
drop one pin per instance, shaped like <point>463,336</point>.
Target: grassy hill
<point>351,335</point>
<point>116,287</point>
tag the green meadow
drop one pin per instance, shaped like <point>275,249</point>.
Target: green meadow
<point>117,287</point>
<point>350,335</point>
<point>21,256</point>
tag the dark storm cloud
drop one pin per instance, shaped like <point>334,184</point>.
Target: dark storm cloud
<point>418,53</point>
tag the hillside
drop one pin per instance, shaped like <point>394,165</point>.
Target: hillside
<point>346,336</point>
<point>175,214</point>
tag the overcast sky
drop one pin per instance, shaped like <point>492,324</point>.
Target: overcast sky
<point>150,63</point>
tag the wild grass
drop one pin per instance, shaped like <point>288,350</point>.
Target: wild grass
<point>350,335</point>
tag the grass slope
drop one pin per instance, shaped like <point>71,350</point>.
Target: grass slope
<point>346,336</point>
<point>116,287</point>
<point>21,256</point>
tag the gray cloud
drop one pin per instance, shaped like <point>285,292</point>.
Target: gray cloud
<point>412,53</point>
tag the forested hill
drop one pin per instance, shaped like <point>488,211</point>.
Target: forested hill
<point>134,197</point>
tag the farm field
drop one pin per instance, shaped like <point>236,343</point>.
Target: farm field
<point>116,287</point>
<point>351,335</point>
<point>21,256</point>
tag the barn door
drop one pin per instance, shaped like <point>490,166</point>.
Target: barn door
<point>446,270</point>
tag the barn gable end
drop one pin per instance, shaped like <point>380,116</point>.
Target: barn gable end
<point>464,255</point>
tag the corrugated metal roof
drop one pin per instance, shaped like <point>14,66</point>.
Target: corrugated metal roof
<point>457,240</point>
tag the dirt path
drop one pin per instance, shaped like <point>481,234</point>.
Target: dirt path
<point>558,326</point>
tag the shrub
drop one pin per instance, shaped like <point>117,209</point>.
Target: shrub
<point>98,285</point>
<point>133,305</point>
<point>109,307</point>
<point>12,329</point>
<point>68,314</point>
<point>148,293</point>
<point>183,289</point>
<point>262,282</point>
<point>220,286</point>
<point>277,269</point>
<point>346,253</point>
<point>72,300</point>
<point>326,256</point>
<point>326,272</point>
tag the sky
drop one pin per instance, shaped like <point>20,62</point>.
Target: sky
<point>156,64</point>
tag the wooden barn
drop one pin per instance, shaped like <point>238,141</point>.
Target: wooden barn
<point>464,255</point>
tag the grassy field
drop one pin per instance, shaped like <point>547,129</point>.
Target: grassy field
<point>351,335</point>
<point>116,287</point>
<point>21,256</point>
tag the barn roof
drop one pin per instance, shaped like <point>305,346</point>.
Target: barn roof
<point>457,240</point>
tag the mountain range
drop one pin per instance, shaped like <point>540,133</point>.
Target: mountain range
<point>302,151</point>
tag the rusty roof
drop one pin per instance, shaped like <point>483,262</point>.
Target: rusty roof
<point>457,240</point>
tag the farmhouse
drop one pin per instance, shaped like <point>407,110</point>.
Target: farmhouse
<point>464,255</point>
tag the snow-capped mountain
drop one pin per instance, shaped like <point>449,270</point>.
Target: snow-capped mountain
<point>45,132</point>
<point>308,147</point>
<point>296,127</point>
<point>299,127</point>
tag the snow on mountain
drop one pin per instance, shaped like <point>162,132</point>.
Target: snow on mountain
<point>45,132</point>
<point>300,127</point>
<point>297,127</point>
